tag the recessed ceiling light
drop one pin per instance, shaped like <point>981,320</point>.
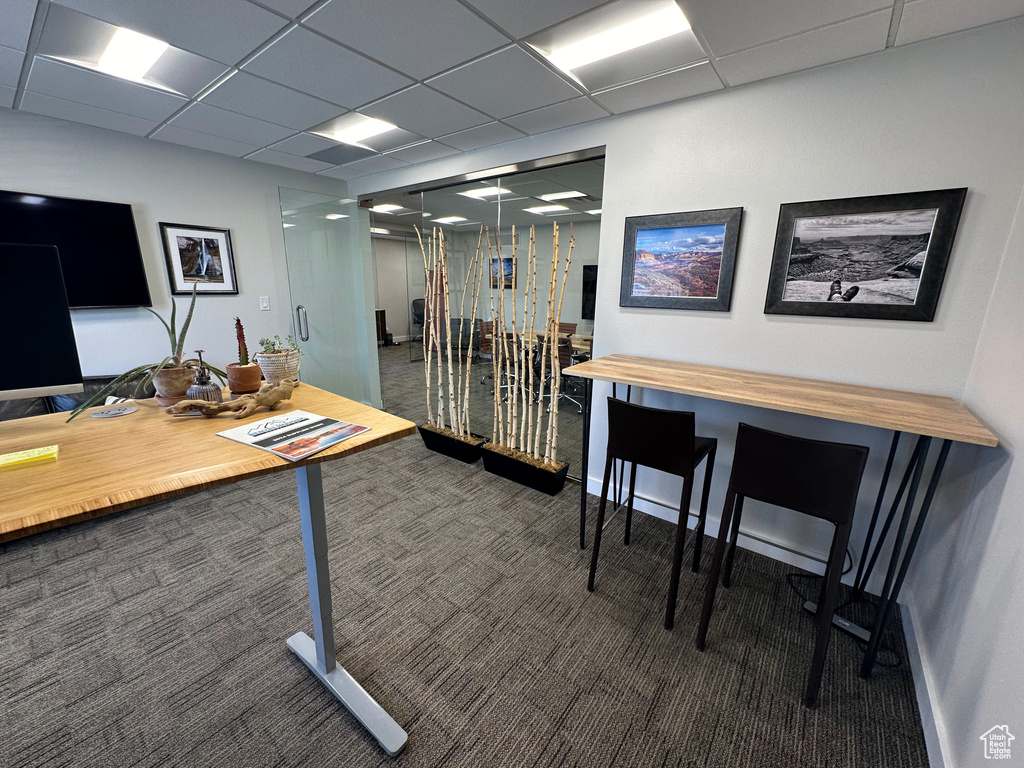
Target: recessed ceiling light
<point>542,209</point>
<point>485,192</point>
<point>668,20</point>
<point>451,219</point>
<point>595,212</point>
<point>379,231</point>
<point>336,216</point>
<point>562,195</point>
<point>353,128</point>
<point>427,215</point>
<point>130,55</point>
<point>289,225</point>
<point>386,208</point>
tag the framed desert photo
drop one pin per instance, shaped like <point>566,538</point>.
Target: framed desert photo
<point>198,256</point>
<point>680,260</point>
<point>875,257</point>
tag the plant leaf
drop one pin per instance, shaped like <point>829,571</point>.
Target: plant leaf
<point>188,319</point>
<point>170,332</point>
<point>100,396</point>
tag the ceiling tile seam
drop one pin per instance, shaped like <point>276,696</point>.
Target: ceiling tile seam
<point>652,76</point>
<point>360,54</point>
<point>712,59</point>
<point>894,23</point>
<point>529,50</point>
<point>423,84</point>
<point>35,32</point>
<point>275,11</point>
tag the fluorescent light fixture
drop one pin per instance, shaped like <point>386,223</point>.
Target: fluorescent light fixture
<point>336,216</point>
<point>354,128</point>
<point>562,195</point>
<point>33,199</point>
<point>379,231</point>
<point>451,219</point>
<point>130,55</point>
<point>668,20</point>
<point>595,212</point>
<point>386,208</point>
<point>485,192</point>
<point>289,225</point>
<point>542,209</point>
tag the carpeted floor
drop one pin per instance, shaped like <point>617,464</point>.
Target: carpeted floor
<point>156,637</point>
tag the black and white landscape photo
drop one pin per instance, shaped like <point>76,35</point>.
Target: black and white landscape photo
<point>864,258</point>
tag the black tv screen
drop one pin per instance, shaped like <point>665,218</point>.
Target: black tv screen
<point>97,242</point>
<point>589,291</point>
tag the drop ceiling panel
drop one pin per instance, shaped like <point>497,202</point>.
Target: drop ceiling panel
<point>495,84</point>
<point>670,53</point>
<point>83,113</point>
<point>288,161</point>
<point>7,96</point>
<point>185,72</point>
<point>52,78</point>
<point>811,49</point>
<point>314,65</point>
<point>378,163</point>
<point>230,125</point>
<point>419,38</point>
<point>733,25</point>
<point>290,8</point>
<point>10,65</point>
<point>481,136</point>
<point>659,90</point>
<point>421,153</point>
<point>253,96</point>
<point>206,141</point>
<point>222,30</point>
<point>304,144</point>
<point>425,111</point>
<point>17,23</point>
<point>392,139</point>
<point>930,18</point>
<point>344,172</point>
<point>524,17</point>
<point>557,116</point>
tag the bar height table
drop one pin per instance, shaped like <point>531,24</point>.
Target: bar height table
<point>927,416</point>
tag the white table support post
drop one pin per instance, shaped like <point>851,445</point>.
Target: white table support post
<point>319,655</point>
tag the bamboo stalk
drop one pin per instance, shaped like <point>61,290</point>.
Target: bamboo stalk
<point>552,334</point>
<point>426,360</point>
<point>557,380</point>
<point>524,351</point>
<point>458,360</point>
<point>504,344</point>
<point>436,328</point>
<point>547,340</point>
<point>515,383</point>
<point>499,416</point>
<point>472,328</point>
<point>533,317</point>
<point>448,334</point>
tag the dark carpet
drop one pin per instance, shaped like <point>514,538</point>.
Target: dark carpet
<point>156,637</point>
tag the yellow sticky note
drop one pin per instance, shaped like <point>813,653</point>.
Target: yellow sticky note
<point>17,459</point>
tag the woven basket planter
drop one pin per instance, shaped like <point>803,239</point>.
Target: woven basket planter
<point>277,366</point>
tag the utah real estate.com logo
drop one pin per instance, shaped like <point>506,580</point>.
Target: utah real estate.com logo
<point>997,742</point>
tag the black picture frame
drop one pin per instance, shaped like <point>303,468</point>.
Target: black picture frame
<point>200,256</point>
<point>888,279</point>
<point>684,284</point>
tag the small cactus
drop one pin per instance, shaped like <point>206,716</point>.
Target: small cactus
<point>243,351</point>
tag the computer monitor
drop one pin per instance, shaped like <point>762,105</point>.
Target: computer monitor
<point>34,313</point>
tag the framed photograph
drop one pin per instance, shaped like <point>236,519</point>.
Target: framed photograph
<point>876,257</point>
<point>198,256</point>
<point>501,272</point>
<point>680,260</point>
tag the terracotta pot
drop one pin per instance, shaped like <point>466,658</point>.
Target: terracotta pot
<point>243,379</point>
<point>171,384</point>
<point>277,366</point>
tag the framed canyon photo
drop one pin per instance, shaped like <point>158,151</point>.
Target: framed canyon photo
<point>198,256</point>
<point>879,257</point>
<point>680,260</point>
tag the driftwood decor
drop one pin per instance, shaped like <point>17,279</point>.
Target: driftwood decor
<point>526,370</point>
<point>451,437</point>
<point>269,396</point>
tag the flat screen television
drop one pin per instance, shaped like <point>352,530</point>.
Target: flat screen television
<point>35,310</point>
<point>97,242</point>
<point>589,291</point>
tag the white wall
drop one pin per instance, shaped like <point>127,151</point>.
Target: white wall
<point>391,272</point>
<point>164,182</point>
<point>942,113</point>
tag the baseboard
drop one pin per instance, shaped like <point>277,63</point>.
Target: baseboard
<point>934,734</point>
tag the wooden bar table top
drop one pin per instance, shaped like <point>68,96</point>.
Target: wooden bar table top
<point>106,465</point>
<point>928,415</point>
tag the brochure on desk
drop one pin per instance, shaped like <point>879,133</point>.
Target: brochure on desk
<point>295,435</point>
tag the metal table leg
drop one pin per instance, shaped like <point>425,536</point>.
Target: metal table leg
<point>588,396</point>
<point>318,654</point>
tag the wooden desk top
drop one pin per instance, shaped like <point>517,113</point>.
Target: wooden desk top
<point>106,465</point>
<point>909,412</point>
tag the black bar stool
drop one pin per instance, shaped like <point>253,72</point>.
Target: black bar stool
<point>818,478</point>
<point>663,440</point>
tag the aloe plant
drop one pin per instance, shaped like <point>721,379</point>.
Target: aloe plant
<point>145,373</point>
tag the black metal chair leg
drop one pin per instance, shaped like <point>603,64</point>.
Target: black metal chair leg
<point>826,607</point>
<point>731,554</point>
<point>716,569</point>
<point>629,504</point>
<point>600,523</point>
<point>702,519</point>
<point>677,554</point>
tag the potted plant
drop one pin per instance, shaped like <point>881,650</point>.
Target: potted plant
<point>171,377</point>
<point>454,438</point>
<point>243,376</point>
<point>279,360</point>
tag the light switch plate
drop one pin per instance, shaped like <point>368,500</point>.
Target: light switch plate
<point>264,303</point>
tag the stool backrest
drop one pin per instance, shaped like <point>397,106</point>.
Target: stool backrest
<point>815,477</point>
<point>652,437</point>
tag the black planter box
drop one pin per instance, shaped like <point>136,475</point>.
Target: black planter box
<point>543,480</point>
<point>451,446</point>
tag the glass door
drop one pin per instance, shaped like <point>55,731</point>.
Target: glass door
<point>330,277</point>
